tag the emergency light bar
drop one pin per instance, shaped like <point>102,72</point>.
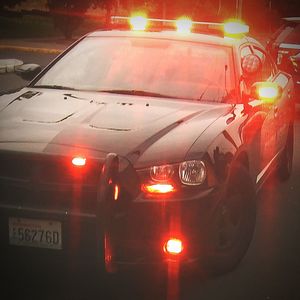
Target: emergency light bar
<point>232,28</point>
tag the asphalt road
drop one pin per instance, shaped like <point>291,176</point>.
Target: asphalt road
<point>10,81</point>
<point>270,270</point>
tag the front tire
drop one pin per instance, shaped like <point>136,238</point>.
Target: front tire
<point>284,170</point>
<point>232,224</point>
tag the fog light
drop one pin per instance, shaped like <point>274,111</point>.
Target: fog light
<point>173,246</point>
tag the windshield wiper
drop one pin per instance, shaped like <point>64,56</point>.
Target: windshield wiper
<point>53,87</point>
<point>137,93</point>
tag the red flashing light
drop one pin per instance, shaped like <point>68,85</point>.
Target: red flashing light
<point>173,246</point>
<point>268,92</point>
<point>158,188</point>
<point>79,161</point>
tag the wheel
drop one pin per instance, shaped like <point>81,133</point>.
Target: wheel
<point>232,223</point>
<point>285,165</point>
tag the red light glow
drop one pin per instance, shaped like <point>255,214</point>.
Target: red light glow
<point>79,161</point>
<point>173,246</point>
<point>158,188</point>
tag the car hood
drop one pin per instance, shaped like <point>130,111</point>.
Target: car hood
<point>52,121</point>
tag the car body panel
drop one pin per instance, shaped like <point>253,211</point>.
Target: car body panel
<point>121,137</point>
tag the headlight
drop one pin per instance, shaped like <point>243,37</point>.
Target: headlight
<point>161,173</point>
<point>166,179</point>
<point>192,172</point>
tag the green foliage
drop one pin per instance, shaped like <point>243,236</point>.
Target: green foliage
<point>9,3</point>
<point>68,14</point>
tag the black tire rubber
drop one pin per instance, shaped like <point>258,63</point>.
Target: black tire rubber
<point>238,198</point>
<point>284,169</point>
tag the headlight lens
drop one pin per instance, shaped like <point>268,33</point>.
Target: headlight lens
<point>192,172</point>
<point>161,173</point>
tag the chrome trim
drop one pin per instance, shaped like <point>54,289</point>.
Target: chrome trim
<point>264,170</point>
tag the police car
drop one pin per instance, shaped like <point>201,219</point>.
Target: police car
<point>284,46</point>
<point>144,145</point>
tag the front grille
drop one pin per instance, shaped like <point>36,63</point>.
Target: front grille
<point>47,182</point>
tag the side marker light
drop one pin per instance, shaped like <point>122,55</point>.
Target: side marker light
<point>116,192</point>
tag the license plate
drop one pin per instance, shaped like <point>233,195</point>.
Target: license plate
<point>35,233</point>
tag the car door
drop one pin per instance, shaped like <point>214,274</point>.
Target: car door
<point>280,111</point>
<point>268,132</point>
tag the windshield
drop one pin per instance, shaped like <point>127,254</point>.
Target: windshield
<point>152,67</point>
<point>294,36</point>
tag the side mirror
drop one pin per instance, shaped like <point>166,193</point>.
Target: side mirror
<point>267,92</point>
<point>28,71</point>
<point>296,62</point>
<point>251,65</point>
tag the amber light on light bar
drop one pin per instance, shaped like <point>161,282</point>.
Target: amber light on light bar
<point>235,27</point>
<point>173,246</point>
<point>158,188</point>
<point>184,25</point>
<point>79,161</point>
<point>138,23</point>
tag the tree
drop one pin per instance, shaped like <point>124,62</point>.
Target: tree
<point>68,14</point>
<point>9,3</point>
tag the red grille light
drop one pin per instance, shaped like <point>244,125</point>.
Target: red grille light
<point>79,161</point>
<point>173,246</point>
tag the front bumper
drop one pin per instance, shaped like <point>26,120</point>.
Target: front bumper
<point>134,239</point>
<point>99,231</point>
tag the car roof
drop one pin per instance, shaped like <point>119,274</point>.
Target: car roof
<point>173,35</point>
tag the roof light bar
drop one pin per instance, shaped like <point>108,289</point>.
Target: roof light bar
<point>184,21</point>
<point>231,28</point>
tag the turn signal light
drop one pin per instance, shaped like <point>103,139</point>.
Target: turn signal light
<point>79,161</point>
<point>158,188</point>
<point>173,246</point>
<point>268,92</point>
